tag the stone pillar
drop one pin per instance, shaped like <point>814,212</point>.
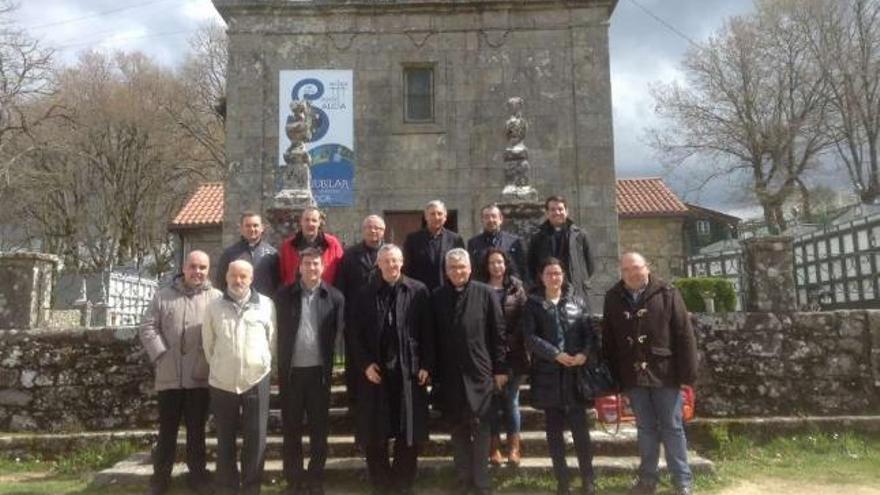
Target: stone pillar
<point>26,283</point>
<point>769,270</point>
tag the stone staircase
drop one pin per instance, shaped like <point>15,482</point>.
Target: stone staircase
<point>614,453</point>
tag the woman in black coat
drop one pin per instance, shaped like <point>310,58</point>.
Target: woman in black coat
<point>558,333</point>
<point>495,270</point>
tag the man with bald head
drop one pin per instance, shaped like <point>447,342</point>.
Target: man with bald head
<point>238,335</point>
<point>172,336</point>
<point>650,345</point>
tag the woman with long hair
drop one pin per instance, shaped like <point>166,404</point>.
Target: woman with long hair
<point>496,268</point>
<point>558,333</point>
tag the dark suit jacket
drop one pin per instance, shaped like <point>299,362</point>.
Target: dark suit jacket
<point>355,272</point>
<point>509,243</point>
<point>577,257</point>
<point>288,308</point>
<point>471,348</point>
<point>417,257</point>
<point>264,259</point>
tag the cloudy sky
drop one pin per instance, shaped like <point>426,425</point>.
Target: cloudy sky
<point>648,38</point>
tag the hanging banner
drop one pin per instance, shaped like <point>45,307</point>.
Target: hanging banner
<point>331,95</point>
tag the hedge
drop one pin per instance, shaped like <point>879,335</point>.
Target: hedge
<point>721,290</point>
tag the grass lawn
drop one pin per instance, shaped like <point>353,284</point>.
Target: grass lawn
<point>827,459</point>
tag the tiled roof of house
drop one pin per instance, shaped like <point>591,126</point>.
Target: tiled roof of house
<point>203,209</point>
<point>648,197</point>
<point>635,198</point>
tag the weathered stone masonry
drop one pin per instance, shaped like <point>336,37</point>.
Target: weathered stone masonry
<point>755,364</point>
<point>752,364</point>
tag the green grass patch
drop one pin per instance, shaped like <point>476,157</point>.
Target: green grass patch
<point>838,458</point>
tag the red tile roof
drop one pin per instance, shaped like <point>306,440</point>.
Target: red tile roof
<point>648,197</point>
<point>203,209</point>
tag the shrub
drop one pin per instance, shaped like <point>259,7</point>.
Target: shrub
<point>720,289</point>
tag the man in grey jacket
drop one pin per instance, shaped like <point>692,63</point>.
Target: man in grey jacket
<point>172,336</point>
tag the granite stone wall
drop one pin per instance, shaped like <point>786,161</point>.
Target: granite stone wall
<point>760,364</point>
<point>751,364</point>
<point>74,380</point>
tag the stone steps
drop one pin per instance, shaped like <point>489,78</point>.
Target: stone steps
<point>343,423</point>
<point>534,444</point>
<point>137,469</point>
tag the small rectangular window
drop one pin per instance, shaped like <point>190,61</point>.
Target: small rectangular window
<point>704,227</point>
<point>418,97</point>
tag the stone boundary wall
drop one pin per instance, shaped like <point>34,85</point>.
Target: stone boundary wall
<point>751,364</point>
<point>74,380</point>
<point>766,364</point>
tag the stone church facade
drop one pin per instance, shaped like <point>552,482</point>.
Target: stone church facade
<point>445,142</point>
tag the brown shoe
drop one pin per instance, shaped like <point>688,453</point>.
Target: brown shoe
<point>514,454</point>
<point>495,457</point>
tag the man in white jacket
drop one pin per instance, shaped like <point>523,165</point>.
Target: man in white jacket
<point>239,336</point>
<point>172,336</point>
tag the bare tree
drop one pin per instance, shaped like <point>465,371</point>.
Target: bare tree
<point>110,176</point>
<point>201,113</point>
<point>845,41</point>
<point>754,104</point>
<point>25,76</point>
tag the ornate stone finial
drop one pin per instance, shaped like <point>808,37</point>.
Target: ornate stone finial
<point>296,179</point>
<point>516,155</point>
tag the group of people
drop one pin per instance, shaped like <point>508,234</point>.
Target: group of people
<point>429,322</point>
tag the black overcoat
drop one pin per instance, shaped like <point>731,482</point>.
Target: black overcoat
<point>288,310</point>
<point>355,271</point>
<point>417,257</point>
<point>416,351</point>
<point>471,348</point>
<point>553,385</point>
<point>577,257</point>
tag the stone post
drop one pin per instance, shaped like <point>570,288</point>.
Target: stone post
<point>26,283</point>
<point>770,282</point>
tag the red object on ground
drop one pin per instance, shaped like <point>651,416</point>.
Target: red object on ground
<point>613,409</point>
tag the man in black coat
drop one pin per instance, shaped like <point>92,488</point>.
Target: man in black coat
<point>254,249</point>
<point>493,236</point>
<point>560,238</point>
<point>471,365</point>
<point>310,315</point>
<point>424,250</point>
<point>393,348</point>
<point>357,269</point>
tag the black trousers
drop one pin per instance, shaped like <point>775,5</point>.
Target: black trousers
<point>306,396</point>
<point>470,444</point>
<point>388,475</point>
<point>191,405</point>
<point>250,410</point>
<point>576,419</point>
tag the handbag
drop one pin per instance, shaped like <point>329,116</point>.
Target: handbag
<point>595,380</point>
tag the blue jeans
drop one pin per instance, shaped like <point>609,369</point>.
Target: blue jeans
<point>658,419</point>
<point>508,403</point>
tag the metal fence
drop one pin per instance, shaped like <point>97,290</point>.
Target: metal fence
<point>722,264</point>
<point>836,266</point>
<point>128,297</point>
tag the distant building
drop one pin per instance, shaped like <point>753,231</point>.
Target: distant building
<point>199,224</point>
<point>655,222</point>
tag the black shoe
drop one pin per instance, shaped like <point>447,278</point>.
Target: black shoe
<point>683,490</point>
<point>589,488</point>
<point>157,489</point>
<point>642,487</point>
<point>203,485</point>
